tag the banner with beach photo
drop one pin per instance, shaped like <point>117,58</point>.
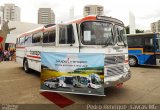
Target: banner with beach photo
<point>78,73</point>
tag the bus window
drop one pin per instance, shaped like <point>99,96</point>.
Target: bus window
<point>135,41</point>
<point>45,37</point>
<point>97,33</point>
<point>36,38</point>
<point>158,42</point>
<point>149,47</point>
<point>17,42</point>
<point>52,36</point>
<point>21,42</point>
<point>120,35</point>
<point>28,40</point>
<point>66,34</point>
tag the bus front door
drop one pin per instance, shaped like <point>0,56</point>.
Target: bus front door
<point>149,51</point>
<point>67,38</point>
<point>157,43</point>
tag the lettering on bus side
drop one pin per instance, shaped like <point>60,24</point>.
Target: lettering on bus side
<point>35,52</point>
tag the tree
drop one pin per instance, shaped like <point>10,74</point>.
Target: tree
<point>127,29</point>
<point>137,30</point>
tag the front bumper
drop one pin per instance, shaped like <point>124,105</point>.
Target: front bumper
<point>114,80</point>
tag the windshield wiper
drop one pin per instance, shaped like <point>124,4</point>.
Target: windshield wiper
<point>119,36</point>
<point>108,43</point>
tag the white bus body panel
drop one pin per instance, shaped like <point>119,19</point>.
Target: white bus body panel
<point>33,57</point>
<point>20,54</point>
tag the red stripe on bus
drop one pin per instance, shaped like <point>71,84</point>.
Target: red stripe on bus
<point>20,47</point>
<point>34,56</point>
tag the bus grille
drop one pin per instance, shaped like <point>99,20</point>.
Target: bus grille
<point>114,59</point>
<point>115,70</point>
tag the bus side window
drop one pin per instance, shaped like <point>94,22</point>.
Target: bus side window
<point>148,44</point>
<point>21,42</point>
<point>17,42</point>
<point>36,38</point>
<point>52,36</point>
<point>28,40</point>
<point>45,37</point>
<point>66,34</point>
<point>135,42</point>
<point>158,44</point>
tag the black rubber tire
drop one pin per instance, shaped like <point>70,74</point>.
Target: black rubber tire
<point>25,66</point>
<point>133,61</point>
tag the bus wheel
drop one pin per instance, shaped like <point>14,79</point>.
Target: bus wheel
<point>75,85</point>
<point>25,66</point>
<point>89,86</point>
<point>50,86</point>
<point>133,61</point>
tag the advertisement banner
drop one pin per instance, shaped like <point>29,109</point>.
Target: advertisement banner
<point>77,73</point>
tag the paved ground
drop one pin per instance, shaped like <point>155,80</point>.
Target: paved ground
<point>17,87</point>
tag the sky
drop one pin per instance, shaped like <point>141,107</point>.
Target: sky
<point>145,11</point>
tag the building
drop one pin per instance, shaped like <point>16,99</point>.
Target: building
<point>46,16</point>
<point>132,26</point>
<point>93,10</point>
<point>155,26</point>
<point>1,14</point>
<point>71,12</point>
<point>11,12</point>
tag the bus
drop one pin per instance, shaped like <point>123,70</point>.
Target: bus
<point>95,81</point>
<point>65,81</point>
<point>52,83</point>
<point>80,81</point>
<point>144,49</point>
<point>90,34</point>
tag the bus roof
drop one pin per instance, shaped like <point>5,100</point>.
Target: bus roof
<point>31,31</point>
<point>78,21</point>
<point>139,34</point>
<point>95,17</point>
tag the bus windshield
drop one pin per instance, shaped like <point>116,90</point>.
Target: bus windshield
<point>83,80</point>
<point>121,38</point>
<point>95,79</point>
<point>97,33</point>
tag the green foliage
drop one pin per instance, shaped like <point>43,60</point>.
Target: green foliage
<point>137,30</point>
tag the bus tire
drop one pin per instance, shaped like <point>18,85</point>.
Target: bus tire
<point>75,85</point>
<point>25,66</point>
<point>89,86</point>
<point>133,61</point>
<point>50,86</point>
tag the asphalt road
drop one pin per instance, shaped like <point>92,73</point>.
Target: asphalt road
<point>18,87</point>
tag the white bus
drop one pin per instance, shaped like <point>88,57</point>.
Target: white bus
<point>52,83</point>
<point>65,81</point>
<point>92,81</point>
<point>90,34</point>
<point>95,81</point>
<point>80,81</point>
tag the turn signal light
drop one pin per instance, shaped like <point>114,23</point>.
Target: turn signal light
<point>126,61</point>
